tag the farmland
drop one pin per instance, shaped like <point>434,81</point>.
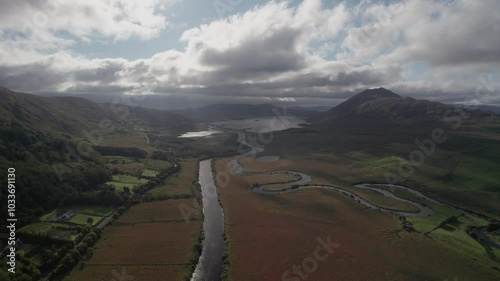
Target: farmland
<point>149,241</point>
<point>119,182</point>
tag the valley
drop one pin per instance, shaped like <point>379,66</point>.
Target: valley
<point>386,200</point>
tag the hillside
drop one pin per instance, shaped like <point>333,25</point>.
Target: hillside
<point>46,140</point>
<point>73,115</point>
<point>383,107</point>
<point>59,114</point>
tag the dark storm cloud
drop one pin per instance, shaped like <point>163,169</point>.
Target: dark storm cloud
<point>275,53</point>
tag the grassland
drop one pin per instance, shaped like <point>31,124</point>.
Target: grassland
<point>179,184</point>
<point>44,227</point>
<point>373,245</point>
<point>460,172</point>
<point>149,173</point>
<point>82,214</point>
<point>380,200</point>
<point>63,231</point>
<point>83,219</point>
<point>136,167</point>
<point>150,241</point>
<point>121,181</point>
<point>92,210</point>
<point>274,178</point>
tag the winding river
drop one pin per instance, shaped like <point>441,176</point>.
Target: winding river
<point>300,184</point>
<point>209,267</point>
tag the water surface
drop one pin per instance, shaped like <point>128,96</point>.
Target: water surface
<point>209,267</point>
<point>263,124</point>
<point>199,134</point>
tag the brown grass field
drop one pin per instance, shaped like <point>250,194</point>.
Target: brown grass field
<point>278,177</point>
<point>150,241</point>
<point>269,234</point>
<point>109,273</point>
<point>167,210</point>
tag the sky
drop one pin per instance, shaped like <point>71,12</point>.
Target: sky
<point>309,52</point>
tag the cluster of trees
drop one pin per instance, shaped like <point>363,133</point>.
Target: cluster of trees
<point>121,151</point>
<point>104,197</point>
<point>25,270</point>
<point>57,256</point>
<point>406,225</point>
<point>40,189</point>
<point>83,249</point>
<point>162,155</point>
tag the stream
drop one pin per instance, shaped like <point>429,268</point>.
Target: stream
<point>209,267</point>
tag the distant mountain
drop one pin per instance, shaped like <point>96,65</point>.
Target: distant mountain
<point>382,106</point>
<point>72,115</point>
<point>491,108</point>
<point>238,111</point>
<point>319,108</point>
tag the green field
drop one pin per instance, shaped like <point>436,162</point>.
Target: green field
<point>136,167</point>
<point>82,212</point>
<point>65,230</point>
<point>149,173</point>
<point>82,219</point>
<point>49,216</point>
<point>380,200</point>
<point>121,181</point>
<point>156,165</point>
<point>92,210</point>
<point>42,227</point>
<point>180,183</point>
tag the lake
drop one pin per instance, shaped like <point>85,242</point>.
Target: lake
<point>255,125</point>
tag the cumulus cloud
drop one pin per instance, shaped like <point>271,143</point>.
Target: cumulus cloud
<point>117,19</point>
<point>275,50</point>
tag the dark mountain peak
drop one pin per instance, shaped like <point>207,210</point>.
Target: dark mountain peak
<point>350,105</point>
<point>376,93</point>
<point>381,106</point>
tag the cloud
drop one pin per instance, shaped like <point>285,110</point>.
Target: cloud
<point>440,33</point>
<point>276,50</point>
<point>85,20</point>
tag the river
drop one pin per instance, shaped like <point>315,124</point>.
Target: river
<point>209,267</point>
